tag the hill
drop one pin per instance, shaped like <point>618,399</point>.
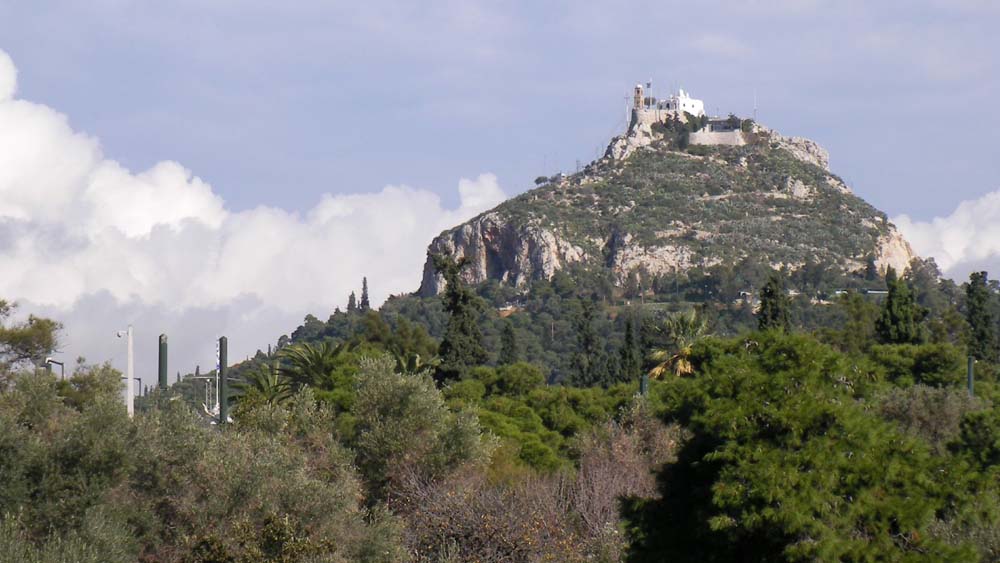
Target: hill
<point>658,204</point>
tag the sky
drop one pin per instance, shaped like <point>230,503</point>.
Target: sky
<point>205,168</point>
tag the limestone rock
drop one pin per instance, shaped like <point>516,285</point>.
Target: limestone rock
<point>893,250</point>
<point>498,249</point>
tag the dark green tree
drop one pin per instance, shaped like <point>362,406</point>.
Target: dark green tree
<point>900,321</point>
<point>590,362</point>
<point>774,305</point>
<point>365,305</point>
<point>352,303</point>
<point>630,358</point>
<point>871,270</point>
<point>979,314</point>
<point>857,334</point>
<point>509,353</point>
<point>462,345</point>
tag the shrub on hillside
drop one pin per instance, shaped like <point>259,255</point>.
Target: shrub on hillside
<point>405,429</point>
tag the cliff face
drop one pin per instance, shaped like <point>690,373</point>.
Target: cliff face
<point>650,208</point>
<point>496,248</point>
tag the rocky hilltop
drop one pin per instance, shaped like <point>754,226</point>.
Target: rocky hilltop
<point>655,204</point>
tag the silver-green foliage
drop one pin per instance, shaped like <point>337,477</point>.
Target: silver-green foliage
<point>405,430</point>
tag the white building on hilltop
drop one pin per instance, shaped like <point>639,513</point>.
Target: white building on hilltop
<point>681,102</point>
<point>678,103</point>
<point>648,111</point>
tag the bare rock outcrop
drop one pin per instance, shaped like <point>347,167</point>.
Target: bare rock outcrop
<point>893,250</point>
<point>497,249</point>
<point>639,135</point>
<point>801,148</point>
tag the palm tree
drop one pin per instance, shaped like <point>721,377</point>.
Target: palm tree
<point>682,330</point>
<point>311,364</point>
<point>265,383</point>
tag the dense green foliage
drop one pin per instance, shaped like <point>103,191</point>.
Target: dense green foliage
<point>982,322</point>
<point>786,463</point>
<point>901,316</point>
<point>461,346</point>
<point>776,445</point>
<point>773,313</point>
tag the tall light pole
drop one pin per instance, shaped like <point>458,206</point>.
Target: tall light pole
<point>163,363</point>
<point>62,367</point>
<point>129,373</point>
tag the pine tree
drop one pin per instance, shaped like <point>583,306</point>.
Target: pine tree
<point>979,314</point>
<point>365,304</point>
<point>462,345</point>
<point>630,361</point>
<point>900,321</point>
<point>352,303</point>
<point>774,305</point>
<point>509,353</point>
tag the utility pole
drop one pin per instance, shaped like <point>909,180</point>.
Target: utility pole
<point>163,362</point>
<point>970,372</point>
<point>223,385</point>
<point>129,372</point>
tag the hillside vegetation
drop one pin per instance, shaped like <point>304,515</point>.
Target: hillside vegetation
<point>665,210</point>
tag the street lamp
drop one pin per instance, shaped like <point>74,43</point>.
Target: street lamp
<point>129,382</point>
<point>62,367</point>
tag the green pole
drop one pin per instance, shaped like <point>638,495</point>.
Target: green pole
<point>163,362</point>
<point>970,372</point>
<point>644,384</point>
<point>223,386</point>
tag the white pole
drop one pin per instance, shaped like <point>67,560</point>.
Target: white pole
<point>130,386</point>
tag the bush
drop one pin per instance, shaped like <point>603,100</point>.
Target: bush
<point>929,413</point>
<point>936,365</point>
<point>562,516</point>
<point>405,428</point>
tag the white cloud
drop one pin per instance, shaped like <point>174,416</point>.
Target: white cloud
<point>966,240</point>
<point>91,243</point>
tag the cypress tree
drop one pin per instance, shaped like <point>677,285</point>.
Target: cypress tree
<point>774,305</point>
<point>590,363</point>
<point>365,305</point>
<point>509,353</point>
<point>462,345</point>
<point>900,320</point>
<point>630,360</point>
<point>871,270</point>
<point>979,314</point>
<point>352,303</point>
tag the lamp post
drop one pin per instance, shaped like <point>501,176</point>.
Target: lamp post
<point>129,372</point>
<point>62,367</point>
